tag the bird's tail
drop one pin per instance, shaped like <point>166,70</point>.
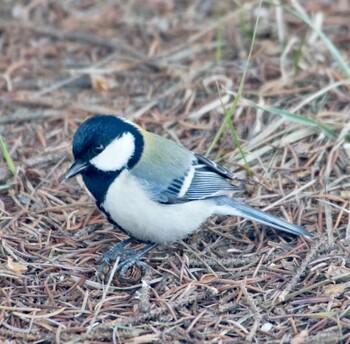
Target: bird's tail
<point>228,206</point>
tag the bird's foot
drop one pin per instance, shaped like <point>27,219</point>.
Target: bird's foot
<point>132,259</point>
<point>111,255</point>
<point>128,258</point>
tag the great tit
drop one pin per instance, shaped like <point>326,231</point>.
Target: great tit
<point>152,188</point>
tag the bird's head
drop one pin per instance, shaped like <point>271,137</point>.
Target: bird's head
<point>105,144</point>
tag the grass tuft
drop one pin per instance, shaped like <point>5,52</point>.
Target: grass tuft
<point>229,112</point>
<point>299,12</point>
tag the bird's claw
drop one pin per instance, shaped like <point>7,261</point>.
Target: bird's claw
<point>129,262</point>
<point>108,257</point>
<point>128,259</point>
<point>124,265</point>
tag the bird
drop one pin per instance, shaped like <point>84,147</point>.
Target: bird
<point>154,189</point>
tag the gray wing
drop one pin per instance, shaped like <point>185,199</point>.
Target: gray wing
<point>212,166</point>
<point>170,173</point>
<point>203,179</point>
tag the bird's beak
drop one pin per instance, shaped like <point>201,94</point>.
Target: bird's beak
<point>77,167</point>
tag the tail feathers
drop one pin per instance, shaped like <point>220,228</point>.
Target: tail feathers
<point>232,207</point>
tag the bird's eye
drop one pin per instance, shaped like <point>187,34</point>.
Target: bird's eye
<point>98,149</point>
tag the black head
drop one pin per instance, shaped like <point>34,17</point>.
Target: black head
<point>103,146</point>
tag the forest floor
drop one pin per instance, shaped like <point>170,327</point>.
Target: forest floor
<point>170,66</point>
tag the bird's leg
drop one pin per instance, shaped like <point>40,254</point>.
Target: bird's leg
<point>129,257</point>
<point>106,258</point>
<point>134,258</point>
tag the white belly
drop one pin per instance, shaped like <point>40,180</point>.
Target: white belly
<point>128,205</point>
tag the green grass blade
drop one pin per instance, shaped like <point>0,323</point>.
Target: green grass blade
<point>219,34</point>
<point>295,118</point>
<point>7,157</point>
<point>236,140</point>
<point>301,14</point>
<point>229,113</point>
<point>238,145</point>
<point>297,56</point>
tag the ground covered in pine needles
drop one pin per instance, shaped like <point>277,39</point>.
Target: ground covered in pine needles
<point>173,67</point>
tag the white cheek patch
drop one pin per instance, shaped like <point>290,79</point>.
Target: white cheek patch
<point>116,155</point>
